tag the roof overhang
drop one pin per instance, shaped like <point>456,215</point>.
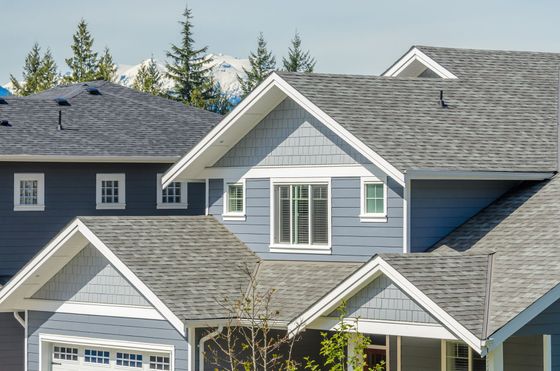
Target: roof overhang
<point>55,255</point>
<point>413,63</point>
<point>362,277</point>
<point>247,115</point>
<point>91,159</point>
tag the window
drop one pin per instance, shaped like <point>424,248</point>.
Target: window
<point>110,191</point>
<point>174,196</point>
<point>96,356</point>
<point>159,363</point>
<point>234,201</point>
<point>301,215</point>
<point>65,353</point>
<point>29,192</point>
<point>374,200</point>
<point>460,357</point>
<point>377,352</point>
<point>129,360</point>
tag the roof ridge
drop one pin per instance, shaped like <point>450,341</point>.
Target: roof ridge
<point>485,50</point>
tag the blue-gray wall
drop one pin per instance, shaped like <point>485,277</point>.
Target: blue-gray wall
<point>523,353</point>
<point>12,338</point>
<point>440,206</point>
<point>420,354</point>
<point>350,240</point>
<point>69,192</point>
<point>101,327</point>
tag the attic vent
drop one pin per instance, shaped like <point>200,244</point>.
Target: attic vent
<point>93,90</point>
<point>5,123</point>
<point>3,101</point>
<point>62,101</point>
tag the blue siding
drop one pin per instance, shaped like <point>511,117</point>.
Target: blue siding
<point>69,192</point>
<point>12,337</point>
<point>440,206</point>
<point>100,327</point>
<point>351,239</point>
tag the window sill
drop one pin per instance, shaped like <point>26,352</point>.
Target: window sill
<point>172,206</point>
<point>365,218</point>
<point>110,206</point>
<point>234,217</point>
<point>29,207</point>
<point>300,249</point>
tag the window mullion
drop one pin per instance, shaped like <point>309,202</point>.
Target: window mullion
<point>291,217</point>
<point>310,223</point>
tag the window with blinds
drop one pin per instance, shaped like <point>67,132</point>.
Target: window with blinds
<point>301,214</point>
<point>235,198</point>
<point>459,357</point>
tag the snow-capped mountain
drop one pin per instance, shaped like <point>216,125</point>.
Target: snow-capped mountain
<point>225,70</point>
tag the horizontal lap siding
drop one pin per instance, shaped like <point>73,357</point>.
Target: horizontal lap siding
<point>523,353</point>
<point>440,206</point>
<point>70,192</point>
<point>101,327</point>
<point>12,340</point>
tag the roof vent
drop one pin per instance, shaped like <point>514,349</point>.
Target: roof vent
<point>3,101</point>
<point>442,102</point>
<point>5,123</point>
<point>61,101</point>
<point>93,90</point>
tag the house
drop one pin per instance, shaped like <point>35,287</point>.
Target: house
<point>88,149</point>
<point>424,198</point>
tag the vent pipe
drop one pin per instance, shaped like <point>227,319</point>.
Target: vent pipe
<point>60,120</point>
<point>442,102</point>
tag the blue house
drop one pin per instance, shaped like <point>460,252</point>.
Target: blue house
<point>426,199</point>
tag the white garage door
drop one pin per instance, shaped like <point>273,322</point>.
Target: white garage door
<point>71,357</point>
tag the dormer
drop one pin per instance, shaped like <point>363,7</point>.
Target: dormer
<point>415,63</point>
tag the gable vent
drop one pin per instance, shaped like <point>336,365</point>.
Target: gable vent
<point>5,123</point>
<point>61,101</point>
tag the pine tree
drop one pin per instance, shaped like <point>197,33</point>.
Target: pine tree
<point>149,79</point>
<point>106,68</point>
<point>262,64</point>
<point>83,64</point>
<point>38,73</point>
<point>48,72</point>
<point>188,68</point>
<point>298,60</point>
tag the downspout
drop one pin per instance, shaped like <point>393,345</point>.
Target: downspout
<point>201,345</point>
<point>19,319</point>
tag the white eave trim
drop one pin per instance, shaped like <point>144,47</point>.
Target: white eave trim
<point>79,159</point>
<point>274,80</point>
<point>363,276</point>
<point>476,175</point>
<point>416,54</point>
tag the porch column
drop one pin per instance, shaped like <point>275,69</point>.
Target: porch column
<point>495,359</point>
<point>547,353</point>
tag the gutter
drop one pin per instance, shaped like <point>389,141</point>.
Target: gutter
<point>201,345</point>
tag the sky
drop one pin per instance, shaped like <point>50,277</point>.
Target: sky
<point>345,36</point>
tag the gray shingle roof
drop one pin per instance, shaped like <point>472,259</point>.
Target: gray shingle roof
<point>182,259</point>
<point>523,230</point>
<point>119,122</point>
<point>502,113</point>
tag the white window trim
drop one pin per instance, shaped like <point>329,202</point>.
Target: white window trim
<point>234,216</point>
<point>301,249</point>
<point>372,217</point>
<point>444,354</point>
<point>184,204</point>
<point>121,178</point>
<point>40,178</point>
<point>374,346</point>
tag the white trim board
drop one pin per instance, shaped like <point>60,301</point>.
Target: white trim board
<point>247,115</point>
<point>416,55</point>
<point>58,253</point>
<point>81,159</point>
<point>362,277</point>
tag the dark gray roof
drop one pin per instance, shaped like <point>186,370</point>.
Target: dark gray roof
<point>502,115</point>
<point>522,228</point>
<point>118,122</point>
<point>192,263</point>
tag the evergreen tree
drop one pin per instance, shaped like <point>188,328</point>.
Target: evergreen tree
<point>149,79</point>
<point>83,64</point>
<point>106,68</point>
<point>262,64</point>
<point>38,73</point>
<point>298,60</point>
<point>189,68</point>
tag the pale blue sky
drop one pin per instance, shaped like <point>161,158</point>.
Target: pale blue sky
<point>346,36</point>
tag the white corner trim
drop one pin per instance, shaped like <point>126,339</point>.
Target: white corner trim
<point>40,179</point>
<point>417,55</point>
<point>364,275</point>
<point>121,179</point>
<point>407,215</point>
<point>184,204</point>
<point>547,353</point>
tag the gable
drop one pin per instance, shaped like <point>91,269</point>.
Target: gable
<point>383,300</point>
<point>90,278</point>
<point>290,136</point>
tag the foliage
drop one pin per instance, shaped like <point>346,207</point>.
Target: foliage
<point>106,68</point>
<point>38,73</point>
<point>188,68</point>
<point>298,60</point>
<point>83,64</point>
<point>263,63</point>
<point>149,79</point>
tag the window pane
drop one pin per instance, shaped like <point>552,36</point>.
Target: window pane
<point>235,198</point>
<point>300,214</point>
<point>375,198</point>
<point>172,193</point>
<point>320,214</point>
<point>28,191</point>
<point>457,356</point>
<point>282,195</point>
<point>110,191</point>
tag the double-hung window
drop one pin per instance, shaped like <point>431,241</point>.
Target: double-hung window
<point>373,200</point>
<point>110,191</point>
<point>460,357</point>
<point>234,201</point>
<point>174,196</point>
<point>301,215</point>
<point>29,192</point>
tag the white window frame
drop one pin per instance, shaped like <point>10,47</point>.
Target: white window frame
<point>40,178</point>
<point>444,354</point>
<point>121,178</point>
<point>300,248</point>
<point>386,348</point>
<point>234,216</point>
<point>184,204</point>
<point>372,217</point>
